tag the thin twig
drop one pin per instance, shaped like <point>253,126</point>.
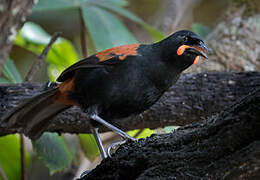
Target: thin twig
<point>23,171</point>
<point>2,174</point>
<point>83,39</point>
<point>35,67</point>
<point>38,63</point>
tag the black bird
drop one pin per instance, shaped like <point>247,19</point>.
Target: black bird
<point>113,83</point>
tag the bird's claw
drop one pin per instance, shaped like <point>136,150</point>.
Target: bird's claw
<point>114,146</point>
<point>82,175</point>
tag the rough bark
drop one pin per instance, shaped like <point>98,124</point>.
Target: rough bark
<point>12,15</point>
<point>235,40</point>
<point>225,146</point>
<point>192,98</point>
<point>235,45</point>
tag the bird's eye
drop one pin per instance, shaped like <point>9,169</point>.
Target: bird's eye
<point>185,38</point>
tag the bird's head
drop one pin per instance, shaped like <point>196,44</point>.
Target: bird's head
<point>184,48</point>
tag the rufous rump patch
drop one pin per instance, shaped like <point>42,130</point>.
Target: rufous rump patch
<point>121,51</point>
<point>64,89</point>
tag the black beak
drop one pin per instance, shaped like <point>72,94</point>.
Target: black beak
<point>200,50</point>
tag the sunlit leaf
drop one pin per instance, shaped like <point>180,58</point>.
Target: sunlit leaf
<point>10,72</point>
<point>89,146</point>
<point>54,71</point>
<point>10,156</point>
<point>53,151</point>
<point>105,29</point>
<point>33,38</point>
<point>34,33</point>
<point>62,53</point>
<point>28,45</point>
<point>145,133</point>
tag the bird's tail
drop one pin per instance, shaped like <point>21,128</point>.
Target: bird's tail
<point>35,115</point>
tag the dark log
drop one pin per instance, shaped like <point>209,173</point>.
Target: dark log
<point>192,98</point>
<point>225,146</point>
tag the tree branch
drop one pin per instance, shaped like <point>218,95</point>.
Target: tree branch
<point>192,98</point>
<point>225,146</point>
<point>38,63</point>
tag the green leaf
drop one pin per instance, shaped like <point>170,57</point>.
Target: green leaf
<point>3,80</point>
<point>145,133</point>
<point>89,146</point>
<point>105,28</point>
<point>10,156</point>
<point>155,33</point>
<point>107,5</point>
<point>45,5</point>
<point>53,151</point>
<point>10,72</point>
<point>121,3</point>
<point>54,71</point>
<point>61,55</point>
<point>201,29</point>
<point>34,33</point>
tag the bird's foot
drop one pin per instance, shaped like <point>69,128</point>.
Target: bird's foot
<point>84,174</point>
<point>114,146</point>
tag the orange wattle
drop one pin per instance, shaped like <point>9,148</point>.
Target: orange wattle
<point>196,60</point>
<point>181,49</point>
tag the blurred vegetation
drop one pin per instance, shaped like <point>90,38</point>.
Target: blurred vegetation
<point>10,156</point>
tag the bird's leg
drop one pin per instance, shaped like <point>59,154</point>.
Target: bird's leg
<point>113,146</point>
<point>99,142</point>
<point>113,128</point>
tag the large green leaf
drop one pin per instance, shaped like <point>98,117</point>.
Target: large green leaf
<point>10,72</point>
<point>53,151</point>
<point>155,33</point>
<point>121,3</point>
<point>89,146</point>
<point>47,5</point>
<point>44,5</point>
<point>105,29</point>
<point>10,157</point>
<point>3,80</point>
